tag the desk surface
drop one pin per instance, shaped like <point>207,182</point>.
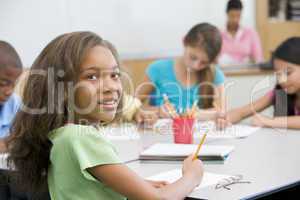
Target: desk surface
<point>268,158</point>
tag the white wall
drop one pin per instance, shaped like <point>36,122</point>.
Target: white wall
<point>138,28</point>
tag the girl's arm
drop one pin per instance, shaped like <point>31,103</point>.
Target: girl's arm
<point>219,101</point>
<point>224,119</point>
<point>260,104</point>
<point>124,181</point>
<point>144,90</point>
<point>292,122</point>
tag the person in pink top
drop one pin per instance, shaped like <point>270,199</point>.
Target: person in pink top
<point>240,44</point>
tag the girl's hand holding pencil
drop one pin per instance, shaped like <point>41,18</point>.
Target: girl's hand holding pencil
<point>193,169</point>
<point>221,118</point>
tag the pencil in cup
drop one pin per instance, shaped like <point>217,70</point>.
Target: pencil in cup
<point>170,108</point>
<point>191,112</point>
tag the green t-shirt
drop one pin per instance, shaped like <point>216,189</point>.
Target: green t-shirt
<point>76,148</point>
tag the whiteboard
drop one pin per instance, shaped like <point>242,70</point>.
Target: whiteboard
<point>138,28</point>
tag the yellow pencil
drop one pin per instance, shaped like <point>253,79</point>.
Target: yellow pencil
<point>167,104</point>
<point>199,147</point>
<point>170,108</point>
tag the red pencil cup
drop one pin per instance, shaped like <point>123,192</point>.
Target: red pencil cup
<point>183,130</point>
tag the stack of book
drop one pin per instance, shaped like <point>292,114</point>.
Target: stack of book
<point>178,152</point>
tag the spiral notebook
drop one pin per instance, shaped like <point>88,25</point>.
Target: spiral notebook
<point>178,152</point>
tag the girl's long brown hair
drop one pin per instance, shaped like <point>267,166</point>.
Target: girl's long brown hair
<point>29,146</point>
<point>208,38</point>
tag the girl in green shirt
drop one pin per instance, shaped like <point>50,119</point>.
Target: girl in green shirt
<point>75,86</point>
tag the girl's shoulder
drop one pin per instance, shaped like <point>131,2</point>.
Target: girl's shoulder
<point>72,132</point>
<point>219,77</point>
<point>160,69</point>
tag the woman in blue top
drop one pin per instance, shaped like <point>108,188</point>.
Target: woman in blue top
<point>192,77</point>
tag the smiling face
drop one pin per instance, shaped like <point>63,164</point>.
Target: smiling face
<point>288,76</point>
<point>98,90</point>
<point>195,59</point>
<point>8,78</point>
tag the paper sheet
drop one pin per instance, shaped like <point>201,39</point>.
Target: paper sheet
<point>173,175</point>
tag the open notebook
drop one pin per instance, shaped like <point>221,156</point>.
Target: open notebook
<point>173,175</point>
<point>170,151</point>
<point>164,126</point>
